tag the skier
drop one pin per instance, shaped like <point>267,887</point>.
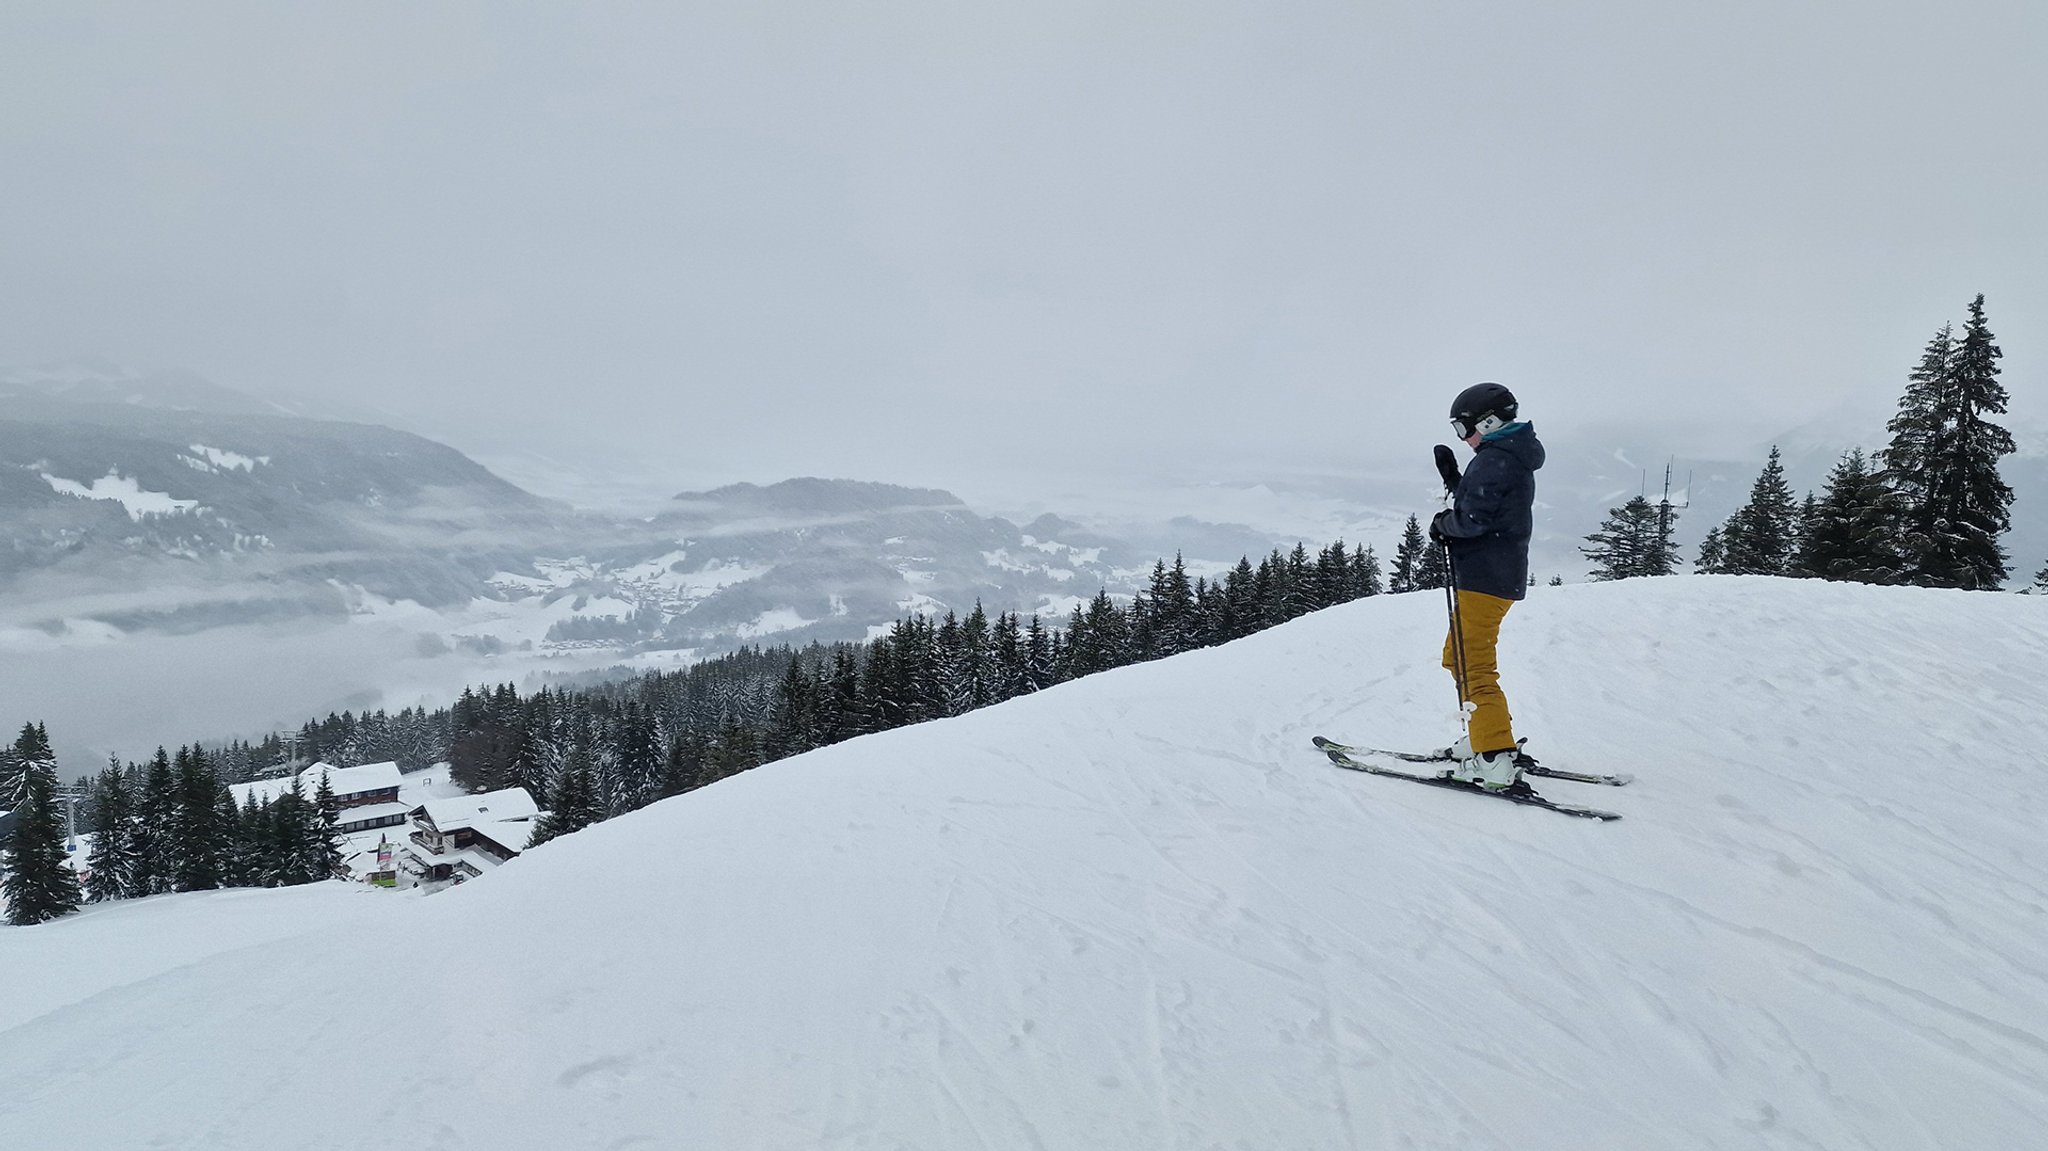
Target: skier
<point>1487,530</point>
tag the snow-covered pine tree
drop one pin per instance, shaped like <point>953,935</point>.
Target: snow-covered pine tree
<point>1713,556</point>
<point>576,802</point>
<point>1632,541</point>
<point>39,883</point>
<point>249,859</point>
<point>1434,571</point>
<point>1299,596</point>
<point>1333,575</point>
<point>641,763</point>
<point>30,753</point>
<point>1407,558</point>
<point>1851,533</point>
<point>153,833</point>
<point>840,715</point>
<point>1916,425</point>
<point>200,846</point>
<point>978,638</point>
<point>952,667</point>
<point>1239,614</point>
<point>1172,603</point>
<point>292,858</point>
<point>13,779</point>
<point>110,871</point>
<point>1760,537</point>
<point>1963,504</point>
<point>1365,573</point>
<point>1041,662</point>
<point>1006,656</point>
<point>323,831</point>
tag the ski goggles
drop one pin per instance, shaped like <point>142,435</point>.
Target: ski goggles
<point>1486,425</point>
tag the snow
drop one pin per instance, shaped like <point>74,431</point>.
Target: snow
<point>772,621</point>
<point>222,460</point>
<point>917,603</point>
<point>1138,911</point>
<point>107,948</point>
<point>344,781</point>
<point>126,491</point>
<point>480,811</point>
<point>362,813</point>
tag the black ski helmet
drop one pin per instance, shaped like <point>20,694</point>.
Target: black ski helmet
<point>1482,408</point>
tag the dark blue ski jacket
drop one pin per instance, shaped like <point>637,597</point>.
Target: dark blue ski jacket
<point>1491,516</point>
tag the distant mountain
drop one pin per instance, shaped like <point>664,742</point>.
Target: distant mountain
<point>106,384</point>
<point>817,559</point>
<point>167,502</point>
<point>122,484</point>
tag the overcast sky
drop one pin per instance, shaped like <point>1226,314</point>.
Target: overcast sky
<point>917,241</point>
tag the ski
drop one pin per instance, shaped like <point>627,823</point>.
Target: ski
<point>1610,779</point>
<point>1520,793</point>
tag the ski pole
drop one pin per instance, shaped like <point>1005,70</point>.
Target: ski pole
<point>1457,633</point>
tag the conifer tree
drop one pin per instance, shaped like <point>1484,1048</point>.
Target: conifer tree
<point>152,834</point>
<point>1957,504</point>
<point>638,760</point>
<point>1365,573</point>
<point>953,669</point>
<point>1171,601</point>
<point>1713,557</point>
<point>294,850</point>
<point>1407,558</point>
<point>31,753</point>
<point>1041,662</point>
<point>1917,425</point>
<point>1760,537</point>
<point>1006,654</point>
<point>13,779</point>
<point>1298,595</point>
<point>1434,572</point>
<point>199,845</point>
<point>39,882</point>
<point>1240,612</point>
<point>978,661</point>
<point>1634,540</point>
<point>1333,575</point>
<point>1851,531</point>
<point>323,832</point>
<point>110,871</point>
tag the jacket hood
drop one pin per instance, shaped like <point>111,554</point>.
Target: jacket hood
<point>1520,441</point>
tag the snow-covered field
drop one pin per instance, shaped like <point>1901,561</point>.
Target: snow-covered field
<point>1138,912</point>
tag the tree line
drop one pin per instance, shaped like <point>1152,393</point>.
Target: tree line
<point>171,824</point>
<point>589,753</point>
<point>1928,509</point>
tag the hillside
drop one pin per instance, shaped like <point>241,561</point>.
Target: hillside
<point>1136,911</point>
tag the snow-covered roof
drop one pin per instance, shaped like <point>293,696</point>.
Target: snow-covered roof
<point>367,811</point>
<point>511,834</point>
<point>345,781</point>
<point>511,803</point>
<point>353,780</point>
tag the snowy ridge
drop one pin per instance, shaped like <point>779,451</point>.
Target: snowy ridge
<point>1138,911</point>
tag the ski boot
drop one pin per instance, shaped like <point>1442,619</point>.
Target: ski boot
<point>1492,771</point>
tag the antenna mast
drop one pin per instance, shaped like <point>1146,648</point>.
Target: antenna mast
<point>1665,506</point>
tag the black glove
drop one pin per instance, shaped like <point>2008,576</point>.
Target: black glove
<point>1436,527</point>
<point>1447,467</point>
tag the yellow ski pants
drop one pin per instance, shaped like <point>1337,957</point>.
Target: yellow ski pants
<point>1479,616</point>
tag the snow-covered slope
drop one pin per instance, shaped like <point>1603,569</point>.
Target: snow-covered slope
<point>1137,911</point>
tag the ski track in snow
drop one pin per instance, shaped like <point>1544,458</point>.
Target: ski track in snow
<point>1141,912</point>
